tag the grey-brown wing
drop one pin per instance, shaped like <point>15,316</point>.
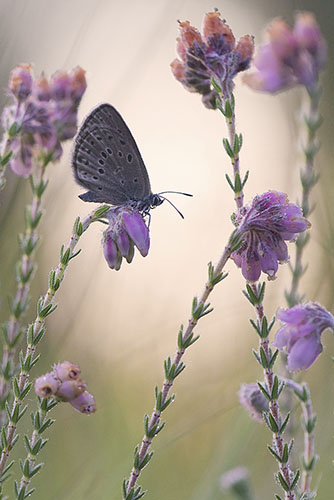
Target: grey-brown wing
<point>107,161</point>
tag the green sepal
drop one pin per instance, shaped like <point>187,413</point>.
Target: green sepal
<point>264,328</point>
<point>310,424</point>
<point>167,402</point>
<point>46,425</point>
<point>278,497</point>
<point>286,420</point>
<point>274,390</point>
<point>255,326</point>
<point>3,438</point>
<point>180,338</point>
<point>75,254</point>
<point>101,211</point>
<point>264,361</point>
<point>264,391</point>
<point>65,256</point>
<point>302,396</point>
<point>283,483</point>
<point>273,359</point>
<point>285,455</point>
<point>245,179</point>
<point>229,106</point>
<point>273,452</point>
<point>145,460</point>
<point>273,424</point>
<point>38,336</point>
<point>5,159</point>
<point>14,129</point>
<point>215,85</point>
<point>310,465</point>
<point>34,471</point>
<point>230,183</point>
<point>6,469</point>
<point>228,148</point>
<point>47,310</point>
<point>257,357</point>
<point>295,480</point>
<point>237,183</point>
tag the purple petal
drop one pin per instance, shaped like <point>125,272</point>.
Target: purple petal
<point>293,316</point>
<point>304,353</point>
<point>70,389</point>
<point>251,269</point>
<point>123,243</point>
<point>85,403</point>
<point>111,253</point>
<point>137,230</point>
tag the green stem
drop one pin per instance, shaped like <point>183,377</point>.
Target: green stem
<point>173,367</point>
<point>24,274</point>
<point>35,332</point>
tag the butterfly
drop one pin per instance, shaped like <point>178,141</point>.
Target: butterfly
<point>106,161</point>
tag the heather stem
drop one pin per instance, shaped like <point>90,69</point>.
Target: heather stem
<point>24,274</point>
<point>309,419</point>
<point>272,390</point>
<point>35,332</point>
<point>173,367</point>
<point>41,422</point>
<point>5,155</point>
<point>309,178</point>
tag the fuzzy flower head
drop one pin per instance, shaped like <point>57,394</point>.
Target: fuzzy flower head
<point>64,384</point>
<point>301,332</point>
<point>264,226</point>
<point>291,56</point>
<point>253,400</point>
<point>215,54</point>
<point>126,230</point>
<point>42,115</point>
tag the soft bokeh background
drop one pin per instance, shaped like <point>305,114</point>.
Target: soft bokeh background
<point>120,326</point>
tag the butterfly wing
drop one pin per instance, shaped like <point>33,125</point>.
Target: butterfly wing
<point>107,161</point>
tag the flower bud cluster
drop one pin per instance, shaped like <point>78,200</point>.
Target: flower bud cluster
<point>215,54</point>
<point>65,385</point>
<point>301,332</point>
<point>263,226</point>
<point>292,56</point>
<point>42,115</point>
<point>126,230</point>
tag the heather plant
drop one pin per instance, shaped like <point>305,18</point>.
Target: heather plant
<point>42,114</point>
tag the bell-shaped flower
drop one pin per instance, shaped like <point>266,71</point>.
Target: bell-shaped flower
<point>263,227</point>
<point>301,332</point>
<point>213,55</point>
<point>126,230</point>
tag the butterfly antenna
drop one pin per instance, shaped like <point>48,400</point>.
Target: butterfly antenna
<point>164,198</point>
<point>175,192</point>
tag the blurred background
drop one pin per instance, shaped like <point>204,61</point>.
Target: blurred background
<point>120,326</point>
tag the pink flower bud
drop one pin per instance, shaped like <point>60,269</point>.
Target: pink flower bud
<point>20,81</point>
<point>46,385</point>
<point>79,83</point>
<point>71,389</point>
<point>213,25</point>
<point>110,251</point>
<point>85,403</point>
<point>188,35</point>
<point>66,371</point>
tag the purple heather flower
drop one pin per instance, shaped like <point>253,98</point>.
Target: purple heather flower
<point>213,55</point>
<point>126,230</point>
<point>46,385</point>
<point>66,371</point>
<point>291,56</point>
<point>65,385</point>
<point>45,113</point>
<point>253,400</point>
<point>263,226</point>
<point>85,403</point>
<point>70,389</point>
<point>301,332</point>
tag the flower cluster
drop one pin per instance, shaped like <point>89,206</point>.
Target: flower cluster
<point>42,115</point>
<point>263,227</point>
<point>253,400</point>
<point>65,384</point>
<point>301,332</point>
<point>126,230</point>
<point>215,55</point>
<point>291,56</point>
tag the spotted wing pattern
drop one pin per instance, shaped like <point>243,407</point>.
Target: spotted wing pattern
<point>107,161</point>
